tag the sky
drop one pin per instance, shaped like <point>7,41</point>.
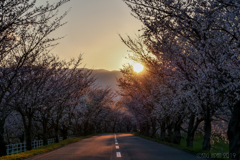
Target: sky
<point>92,29</point>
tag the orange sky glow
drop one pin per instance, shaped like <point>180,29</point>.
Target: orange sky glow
<point>93,30</point>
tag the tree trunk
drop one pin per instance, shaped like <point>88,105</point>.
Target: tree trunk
<point>234,133</point>
<point>56,134</point>
<point>45,142</point>
<point>170,134</point>
<point>177,135</point>
<point>144,129</point>
<point>192,127</point>
<point>105,127</point>
<point>189,140</point>
<point>163,132</point>
<point>207,131</point>
<point>56,129</point>
<point>190,133</point>
<point>114,125</point>
<point>2,142</point>
<point>129,127</point>
<point>163,135</point>
<point>21,137</point>
<point>120,127</point>
<point>64,134</point>
<point>29,137</point>
<point>28,130</point>
<point>154,130</point>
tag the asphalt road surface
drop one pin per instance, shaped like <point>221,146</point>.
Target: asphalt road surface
<point>116,147</point>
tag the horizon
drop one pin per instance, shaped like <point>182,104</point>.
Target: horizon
<point>103,69</point>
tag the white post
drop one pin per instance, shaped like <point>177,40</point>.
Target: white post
<point>20,147</point>
<point>24,143</point>
<point>7,149</point>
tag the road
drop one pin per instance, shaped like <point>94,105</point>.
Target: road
<point>116,147</point>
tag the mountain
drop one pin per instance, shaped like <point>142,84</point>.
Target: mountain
<point>107,78</point>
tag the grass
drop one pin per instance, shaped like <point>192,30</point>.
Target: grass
<point>43,149</point>
<point>218,147</point>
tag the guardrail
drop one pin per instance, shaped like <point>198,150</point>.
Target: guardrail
<point>21,147</point>
<point>16,148</point>
<point>36,144</point>
<point>50,141</point>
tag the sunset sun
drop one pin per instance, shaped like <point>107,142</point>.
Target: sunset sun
<point>137,67</point>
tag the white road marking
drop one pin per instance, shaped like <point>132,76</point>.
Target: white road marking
<point>118,154</point>
<point>116,142</point>
<point>117,147</point>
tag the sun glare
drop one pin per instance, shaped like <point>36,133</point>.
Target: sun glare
<point>137,67</point>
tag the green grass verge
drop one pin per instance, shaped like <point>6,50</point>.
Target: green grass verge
<point>43,149</point>
<point>217,147</point>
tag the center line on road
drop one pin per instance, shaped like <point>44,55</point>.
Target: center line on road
<point>118,154</point>
<point>116,142</point>
<point>117,147</point>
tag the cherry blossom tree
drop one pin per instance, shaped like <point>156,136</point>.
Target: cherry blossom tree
<point>74,85</point>
<point>24,31</point>
<point>201,39</point>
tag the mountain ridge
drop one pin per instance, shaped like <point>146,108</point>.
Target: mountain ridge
<point>106,78</point>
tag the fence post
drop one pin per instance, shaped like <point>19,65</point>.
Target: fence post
<point>25,147</point>
<point>20,149</point>
<point>7,149</point>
